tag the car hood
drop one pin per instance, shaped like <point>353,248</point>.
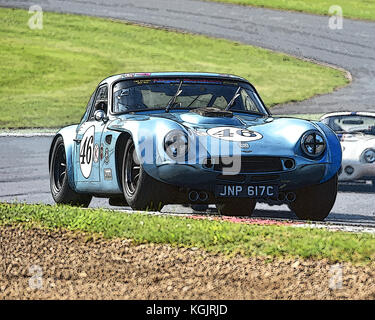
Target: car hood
<point>274,132</point>
<point>266,125</point>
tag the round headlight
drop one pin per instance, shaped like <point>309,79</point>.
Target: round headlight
<point>349,170</point>
<point>313,144</point>
<point>176,144</point>
<point>369,155</point>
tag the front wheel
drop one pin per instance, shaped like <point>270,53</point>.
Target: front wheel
<point>315,202</point>
<point>141,191</point>
<point>60,189</point>
<point>237,207</point>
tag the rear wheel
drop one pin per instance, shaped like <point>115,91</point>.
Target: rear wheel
<point>238,207</point>
<point>315,202</point>
<point>141,191</point>
<point>59,184</point>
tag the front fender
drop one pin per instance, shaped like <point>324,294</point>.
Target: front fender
<point>148,137</point>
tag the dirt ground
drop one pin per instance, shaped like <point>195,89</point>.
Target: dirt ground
<point>40,264</point>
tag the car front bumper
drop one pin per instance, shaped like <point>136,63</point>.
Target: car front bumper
<point>356,171</point>
<point>197,177</point>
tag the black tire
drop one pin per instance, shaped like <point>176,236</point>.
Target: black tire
<point>238,207</point>
<point>141,191</point>
<point>315,202</point>
<point>61,191</point>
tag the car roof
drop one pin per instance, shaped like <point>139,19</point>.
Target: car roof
<point>348,113</point>
<point>147,75</point>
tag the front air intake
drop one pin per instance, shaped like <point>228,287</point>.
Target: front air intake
<point>253,164</point>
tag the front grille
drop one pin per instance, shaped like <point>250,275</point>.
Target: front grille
<point>265,177</point>
<point>251,164</point>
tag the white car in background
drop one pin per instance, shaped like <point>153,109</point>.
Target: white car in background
<point>356,131</point>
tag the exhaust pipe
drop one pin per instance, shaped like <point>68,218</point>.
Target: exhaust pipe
<point>193,196</point>
<point>203,196</point>
<point>290,197</point>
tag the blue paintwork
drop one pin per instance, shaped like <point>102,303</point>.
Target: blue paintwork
<point>281,137</point>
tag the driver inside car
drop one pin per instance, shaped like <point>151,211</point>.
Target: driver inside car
<point>129,99</point>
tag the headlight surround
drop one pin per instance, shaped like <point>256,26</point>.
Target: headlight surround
<point>313,144</point>
<point>176,144</point>
<point>369,155</point>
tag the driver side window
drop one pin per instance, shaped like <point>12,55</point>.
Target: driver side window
<point>101,101</point>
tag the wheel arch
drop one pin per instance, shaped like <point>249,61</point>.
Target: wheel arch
<point>67,134</point>
<point>51,150</point>
<point>120,153</point>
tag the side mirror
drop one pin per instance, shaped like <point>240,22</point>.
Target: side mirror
<point>100,115</point>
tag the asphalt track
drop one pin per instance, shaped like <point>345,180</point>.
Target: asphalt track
<point>302,35</point>
<point>23,161</point>
<point>24,178</point>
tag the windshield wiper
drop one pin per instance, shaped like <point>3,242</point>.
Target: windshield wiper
<point>172,102</point>
<point>195,99</point>
<point>231,102</point>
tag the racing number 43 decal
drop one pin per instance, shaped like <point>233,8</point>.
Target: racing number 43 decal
<point>234,134</point>
<point>86,152</point>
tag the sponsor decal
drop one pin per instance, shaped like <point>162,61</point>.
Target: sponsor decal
<point>101,151</point>
<point>142,81</point>
<point>86,152</point>
<point>107,174</point>
<point>234,134</point>
<point>106,156</point>
<point>96,153</point>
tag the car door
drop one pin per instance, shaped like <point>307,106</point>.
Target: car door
<point>88,149</point>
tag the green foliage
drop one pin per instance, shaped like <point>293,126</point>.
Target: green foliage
<point>359,9</point>
<point>48,75</point>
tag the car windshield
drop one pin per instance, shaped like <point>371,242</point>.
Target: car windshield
<point>351,124</point>
<point>145,94</point>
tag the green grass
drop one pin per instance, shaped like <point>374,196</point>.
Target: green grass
<point>48,75</point>
<point>217,236</point>
<point>358,9</point>
<point>306,116</point>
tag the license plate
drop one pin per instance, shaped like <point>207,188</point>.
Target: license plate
<point>246,191</point>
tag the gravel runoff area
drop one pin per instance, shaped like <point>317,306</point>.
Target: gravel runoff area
<point>42,264</point>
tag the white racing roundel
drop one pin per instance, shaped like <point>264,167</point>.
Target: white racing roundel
<point>234,134</point>
<point>86,152</point>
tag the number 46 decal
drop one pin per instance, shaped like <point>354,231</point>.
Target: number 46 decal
<point>86,152</point>
<point>234,134</point>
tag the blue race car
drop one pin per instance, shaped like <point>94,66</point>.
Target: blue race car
<point>151,139</point>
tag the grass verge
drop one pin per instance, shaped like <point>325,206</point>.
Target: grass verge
<point>351,8</point>
<point>216,236</point>
<point>48,75</point>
